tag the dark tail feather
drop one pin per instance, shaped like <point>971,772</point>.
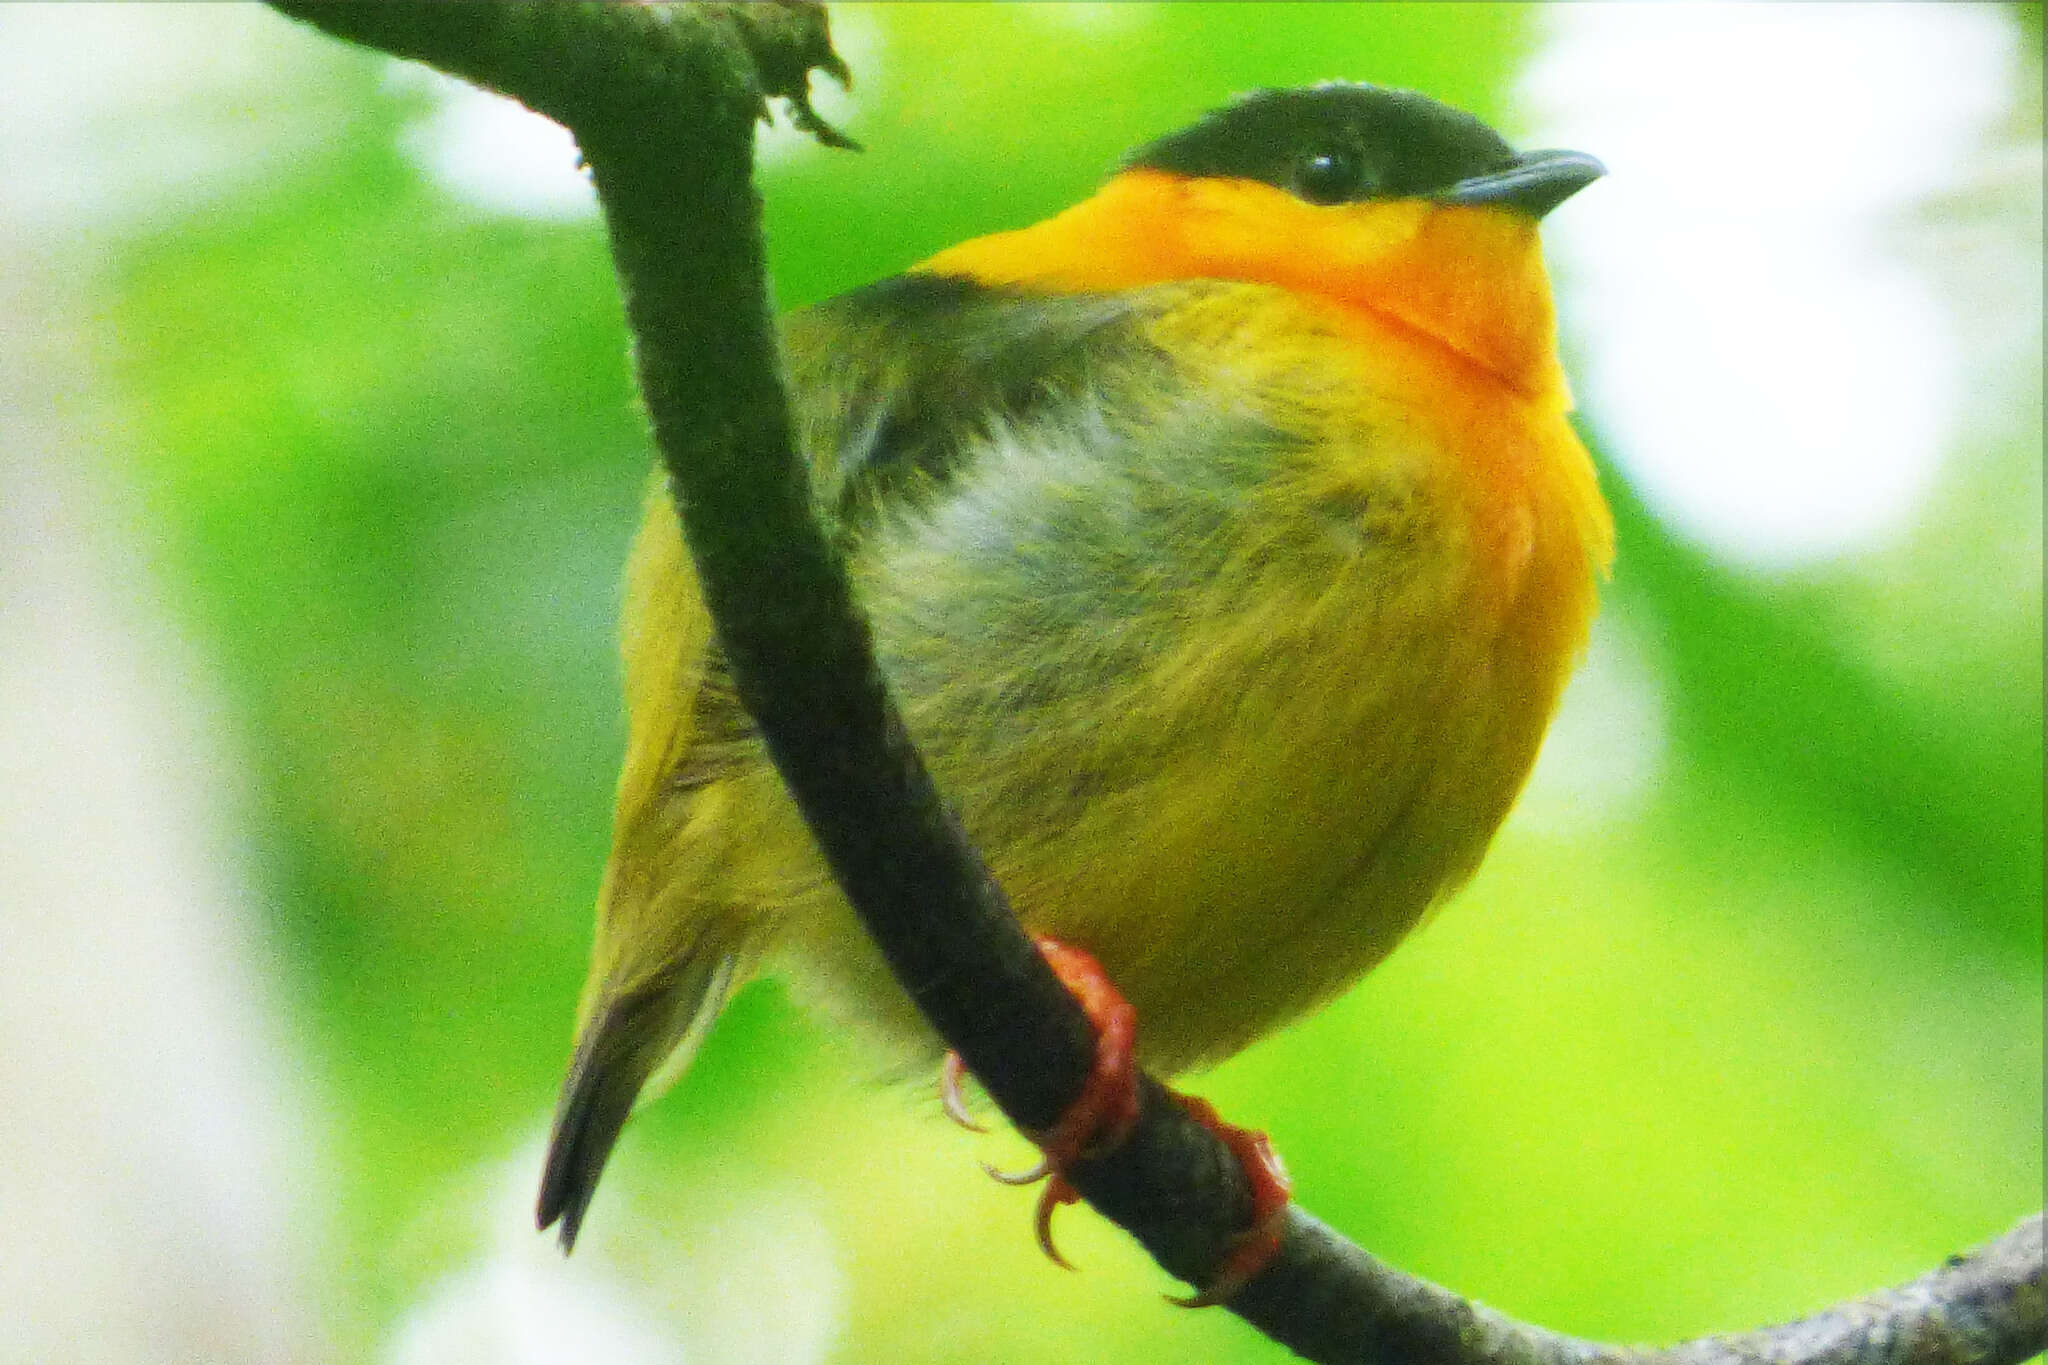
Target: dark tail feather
<point>596,1098</point>
<point>651,1033</point>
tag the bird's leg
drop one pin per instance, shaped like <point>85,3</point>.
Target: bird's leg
<point>1102,1115</point>
<point>1271,1192</point>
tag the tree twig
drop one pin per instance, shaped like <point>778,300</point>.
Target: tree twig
<point>663,102</point>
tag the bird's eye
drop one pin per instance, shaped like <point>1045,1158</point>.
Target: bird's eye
<point>1328,177</point>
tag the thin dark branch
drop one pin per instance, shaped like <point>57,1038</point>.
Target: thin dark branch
<point>663,102</point>
<point>1989,1307</point>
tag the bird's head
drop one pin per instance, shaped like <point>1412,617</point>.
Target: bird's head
<point>1378,199</point>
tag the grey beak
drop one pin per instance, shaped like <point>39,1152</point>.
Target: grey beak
<point>1537,183</point>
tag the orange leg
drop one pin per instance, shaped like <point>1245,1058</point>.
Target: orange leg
<point>1102,1114</point>
<point>1101,1117</point>
<point>1271,1193</point>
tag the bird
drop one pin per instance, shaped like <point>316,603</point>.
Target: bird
<point>1226,545</point>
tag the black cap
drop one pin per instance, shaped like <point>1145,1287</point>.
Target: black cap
<point>1341,142</point>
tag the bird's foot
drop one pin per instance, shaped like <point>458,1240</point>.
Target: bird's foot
<point>1271,1191</point>
<point>1102,1116</point>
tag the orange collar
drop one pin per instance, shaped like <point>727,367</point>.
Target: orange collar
<point>1471,280</point>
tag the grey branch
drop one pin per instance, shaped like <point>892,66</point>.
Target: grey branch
<point>663,101</point>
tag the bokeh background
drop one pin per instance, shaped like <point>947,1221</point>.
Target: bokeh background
<point>317,462</point>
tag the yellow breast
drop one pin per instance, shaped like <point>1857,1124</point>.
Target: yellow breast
<point>1232,667</point>
<point>1239,755</point>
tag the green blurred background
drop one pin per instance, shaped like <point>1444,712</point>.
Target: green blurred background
<point>1743,1016</point>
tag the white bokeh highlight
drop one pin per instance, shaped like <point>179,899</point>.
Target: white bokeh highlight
<point>1605,753</point>
<point>667,1278</point>
<point>184,105</point>
<point>509,1311</point>
<point>490,153</point>
<point>1778,378</point>
<point>161,1134</point>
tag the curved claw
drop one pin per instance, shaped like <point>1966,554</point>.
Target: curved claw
<point>1056,1192</point>
<point>1248,1254</point>
<point>1099,1118</point>
<point>1029,1176</point>
<point>951,1073</point>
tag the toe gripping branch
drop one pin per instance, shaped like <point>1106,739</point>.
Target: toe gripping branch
<point>1102,1115</point>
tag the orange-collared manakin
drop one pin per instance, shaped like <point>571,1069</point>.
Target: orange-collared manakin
<point>1227,548</point>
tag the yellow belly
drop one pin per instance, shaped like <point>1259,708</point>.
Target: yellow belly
<point>1238,787</point>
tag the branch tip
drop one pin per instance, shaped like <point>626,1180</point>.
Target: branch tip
<point>787,41</point>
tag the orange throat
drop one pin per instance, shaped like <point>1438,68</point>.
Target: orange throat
<point>1469,280</point>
